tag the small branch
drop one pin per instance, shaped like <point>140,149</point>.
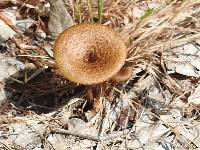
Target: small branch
<point>36,74</point>
<point>90,137</point>
<point>67,132</point>
<point>9,23</point>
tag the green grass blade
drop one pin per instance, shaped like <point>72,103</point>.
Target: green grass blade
<point>100,10</point>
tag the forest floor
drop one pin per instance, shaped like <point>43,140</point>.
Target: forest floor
<point>158,108</point>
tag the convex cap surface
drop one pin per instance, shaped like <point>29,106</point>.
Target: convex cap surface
<point>89,53</point>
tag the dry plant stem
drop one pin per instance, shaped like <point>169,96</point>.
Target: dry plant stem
<point>71,4</point>
<point>174,42</point>
<point>5,146</point>
<point>167,45</point>
<point>168,22</point>
<point>78,11</point>
<point>35,74</point>
<point>23,46</point>
<point>90,137</point>
<point>11,26</point>
<point>66,132</point>
<point>89,3</point>
<point>131,102</point>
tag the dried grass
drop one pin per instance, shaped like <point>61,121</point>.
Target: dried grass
<point>171,23</point>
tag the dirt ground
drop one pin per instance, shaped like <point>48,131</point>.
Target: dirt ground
<point>157,108</point>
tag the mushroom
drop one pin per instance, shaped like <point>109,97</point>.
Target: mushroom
<point>90,54</point>
<point>123,74</point>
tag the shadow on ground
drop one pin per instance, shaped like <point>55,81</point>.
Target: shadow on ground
<point>43,94</point>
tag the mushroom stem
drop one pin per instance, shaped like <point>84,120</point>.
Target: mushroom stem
<point>95,95</point>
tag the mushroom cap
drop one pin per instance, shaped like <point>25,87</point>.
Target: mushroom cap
<point>123,74</point>
<point>89,53</point>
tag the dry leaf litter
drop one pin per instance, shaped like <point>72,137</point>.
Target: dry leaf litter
<point>157,109</point>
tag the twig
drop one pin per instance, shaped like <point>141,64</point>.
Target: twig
<point>7,22</point>
<point>67,132</point>
<point>90,137</point>
<point>114,135</point>
<point>35,74</point>
<point>5,146</point>
<point>34,56</point>
<point>189,143</point>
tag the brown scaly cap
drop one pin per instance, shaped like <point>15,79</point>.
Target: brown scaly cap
<point>89,53</point>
